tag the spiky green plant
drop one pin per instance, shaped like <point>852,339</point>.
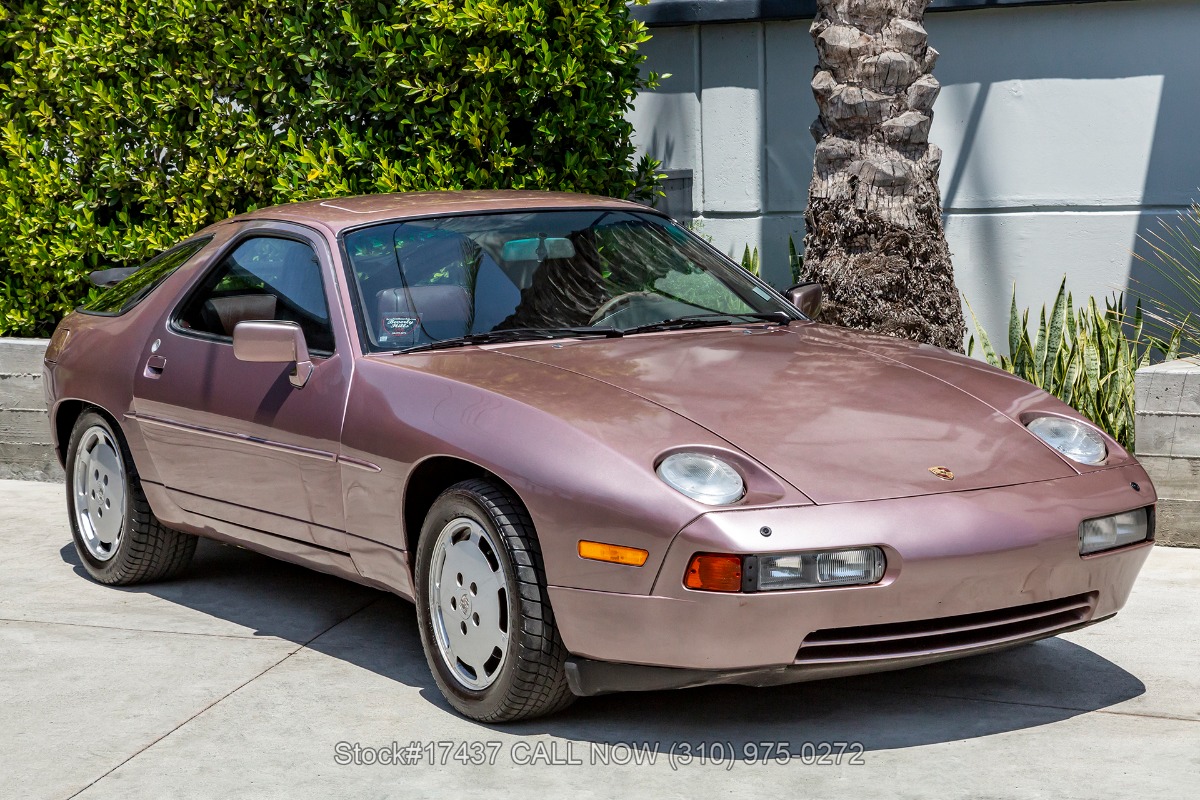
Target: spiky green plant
<point>1085,357</point>
<point>1174,253</point>
<point>751,263</point>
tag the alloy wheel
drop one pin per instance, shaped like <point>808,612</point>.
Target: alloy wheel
<point>98,483</point>
<point>468,603</point>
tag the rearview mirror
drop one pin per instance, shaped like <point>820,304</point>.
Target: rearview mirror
<point>806,297</point>
<point>273,342</point>
<point>537,249</point>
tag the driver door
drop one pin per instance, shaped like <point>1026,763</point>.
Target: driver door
<point>236,441</point>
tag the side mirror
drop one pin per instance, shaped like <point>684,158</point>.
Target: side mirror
<point>806,297</point>
<point>273,342</point>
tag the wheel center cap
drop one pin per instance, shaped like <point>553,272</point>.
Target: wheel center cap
<point>464,604</point>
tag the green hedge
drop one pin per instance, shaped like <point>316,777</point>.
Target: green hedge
<point>127,124</point>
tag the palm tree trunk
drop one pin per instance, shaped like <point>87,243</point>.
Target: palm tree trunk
<point>875,237</point>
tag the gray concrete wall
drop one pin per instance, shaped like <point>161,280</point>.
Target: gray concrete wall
<point>26,449</point>
<point>1068,132</point>
<point>1168,445</point>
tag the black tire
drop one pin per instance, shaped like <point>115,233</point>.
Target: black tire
<point>531,680</point>
<point>145,550</point>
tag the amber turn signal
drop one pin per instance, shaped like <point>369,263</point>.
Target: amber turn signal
<point>714,573</point>
<point>613,553</point>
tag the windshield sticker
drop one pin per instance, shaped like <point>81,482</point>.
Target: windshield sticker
<point>763,293</point>
<point>400,328</point>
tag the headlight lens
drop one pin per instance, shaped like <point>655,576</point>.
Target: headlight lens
<point>704,478</point>
<point>1105,533</point>
<point>862,565</point>
<point>1074,440</point>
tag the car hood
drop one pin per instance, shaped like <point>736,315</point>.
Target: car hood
<point>835,413</point>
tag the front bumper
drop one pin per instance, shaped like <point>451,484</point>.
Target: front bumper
<point>967,572</point>
<point>587,677</point>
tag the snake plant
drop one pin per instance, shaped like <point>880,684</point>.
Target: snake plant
<point>1085,357</point>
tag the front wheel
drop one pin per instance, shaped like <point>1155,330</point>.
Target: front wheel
<point>117,536</point>
<point>486,624</point>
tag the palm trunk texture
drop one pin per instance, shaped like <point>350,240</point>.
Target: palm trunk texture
<point>875,237</point>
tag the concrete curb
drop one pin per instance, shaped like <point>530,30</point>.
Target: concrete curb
<point>1167,421</point>
<point>26,447</point>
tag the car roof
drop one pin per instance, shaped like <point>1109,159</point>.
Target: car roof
<point>340,213</point>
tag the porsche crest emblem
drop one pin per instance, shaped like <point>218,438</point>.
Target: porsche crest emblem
<point>942,473</point>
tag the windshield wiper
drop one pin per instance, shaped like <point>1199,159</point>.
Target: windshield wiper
<point>527,334</point>
<point>514,335</point>
<point>709,321</point>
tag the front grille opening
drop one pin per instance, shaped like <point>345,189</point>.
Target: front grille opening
<point>945,634</point>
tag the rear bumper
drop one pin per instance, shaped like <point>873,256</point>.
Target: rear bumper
<point>968,572</point>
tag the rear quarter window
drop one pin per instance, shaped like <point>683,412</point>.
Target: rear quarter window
<point>129,292</point>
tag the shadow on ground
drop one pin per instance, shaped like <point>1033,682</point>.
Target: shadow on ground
<point>1033,685</point>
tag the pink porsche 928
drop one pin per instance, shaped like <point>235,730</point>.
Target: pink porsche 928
<point>597,454</point>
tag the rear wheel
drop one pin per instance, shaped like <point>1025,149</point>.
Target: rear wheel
<point>486,623</point>
<point>117,536</point>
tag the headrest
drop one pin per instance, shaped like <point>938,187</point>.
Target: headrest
<point>229,311</point>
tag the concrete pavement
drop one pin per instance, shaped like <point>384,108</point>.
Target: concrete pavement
<point>242,678</point>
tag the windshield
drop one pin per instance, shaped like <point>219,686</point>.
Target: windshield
<point>494,277</point>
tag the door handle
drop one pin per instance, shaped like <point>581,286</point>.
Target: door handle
<point>155,366</point>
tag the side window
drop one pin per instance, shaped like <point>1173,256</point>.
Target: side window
<point>263,278</point>
<point>129,292</point>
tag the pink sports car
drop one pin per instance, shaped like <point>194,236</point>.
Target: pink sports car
<point>597,454</point>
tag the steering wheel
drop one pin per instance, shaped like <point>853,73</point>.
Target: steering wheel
<point>621,302</point>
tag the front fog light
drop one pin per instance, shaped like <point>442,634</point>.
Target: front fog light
<point>1105,533</point>
<point>859,566</point>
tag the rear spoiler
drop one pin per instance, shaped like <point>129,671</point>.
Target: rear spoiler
<point>110,277</point>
